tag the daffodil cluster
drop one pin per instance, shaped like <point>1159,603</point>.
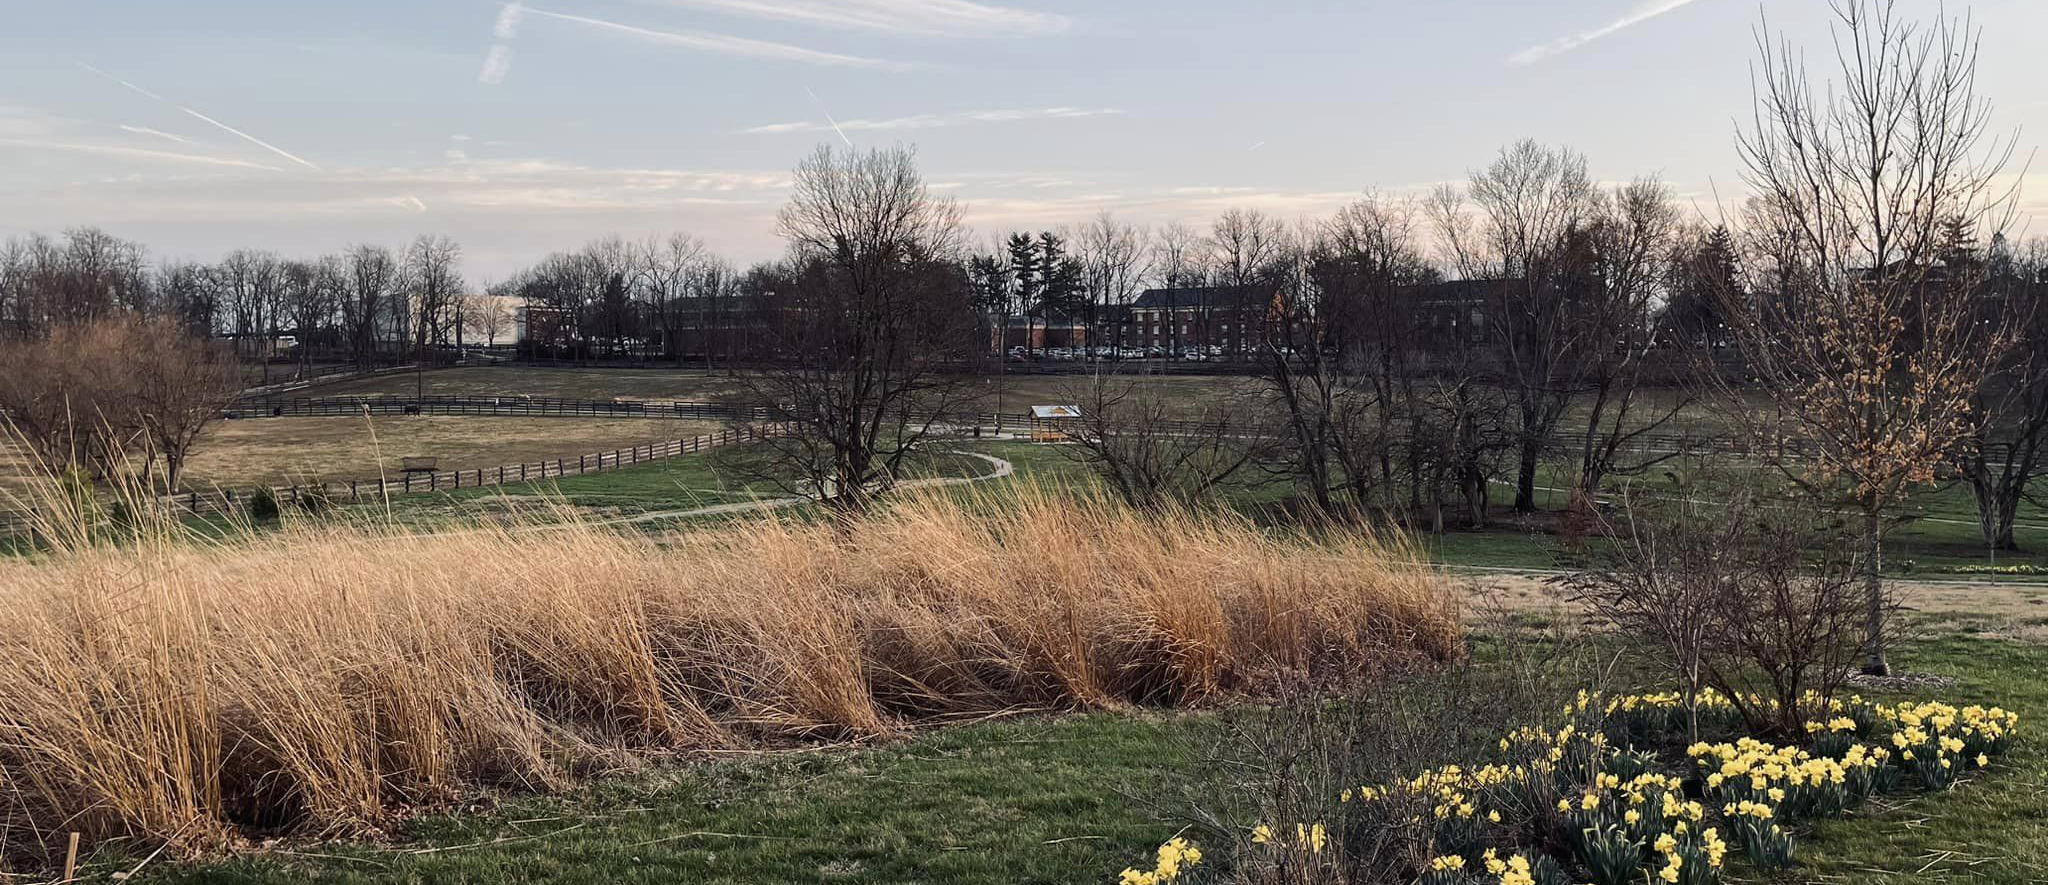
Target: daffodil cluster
<point>1937,742</point>
<point>1308,838</point>
<point>1176,856</point>
<point>1624,813</point>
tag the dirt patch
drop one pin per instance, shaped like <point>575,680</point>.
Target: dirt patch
<point>2007,609</point>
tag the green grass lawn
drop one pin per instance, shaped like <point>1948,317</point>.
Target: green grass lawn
<point>1940,540</point>
<point>1034,800</point>
<point>1073,799</point>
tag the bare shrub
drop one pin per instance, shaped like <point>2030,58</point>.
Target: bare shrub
<point>1752,597</point>
<point>1305,757</point>
<point>1152,449</point>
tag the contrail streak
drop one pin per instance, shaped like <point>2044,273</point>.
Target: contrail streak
<point>209,120</point>
<point>251,139</point>
<point>144,130</point>
<point>139,153</point>
<point>1643,12</point>
<point>828,116</point>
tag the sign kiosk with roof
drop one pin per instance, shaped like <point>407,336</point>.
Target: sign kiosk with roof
<point>1050,423</point>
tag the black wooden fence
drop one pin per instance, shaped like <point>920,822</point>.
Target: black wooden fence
<point>226,501</point>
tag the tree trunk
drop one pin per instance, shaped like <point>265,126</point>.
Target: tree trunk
<point>1997,508</point>
<point>1874,662</point>
<point>1525,477</point>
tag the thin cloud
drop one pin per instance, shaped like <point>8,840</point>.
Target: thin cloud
<point>507,26</point>
<point>496,65</point>
<point>157,133</point>
<point>724,44</point>
<point>206,119</point>
<point>1641,13</point>
<point>498,62</point>
<point>930,121</point>
<point>921,18</point>
<point>21,122</point>
<point>133,153</point>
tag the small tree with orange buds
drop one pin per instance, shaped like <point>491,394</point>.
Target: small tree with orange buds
<point>1870,351</point>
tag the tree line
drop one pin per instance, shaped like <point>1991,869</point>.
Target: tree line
<point>366,305</point>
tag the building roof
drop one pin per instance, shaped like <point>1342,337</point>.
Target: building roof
<point>1201,296</point>
<point>1055,411</point>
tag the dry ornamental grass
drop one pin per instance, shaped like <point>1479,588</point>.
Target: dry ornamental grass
<point>315,680</point>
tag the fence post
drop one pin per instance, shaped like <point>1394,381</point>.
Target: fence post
<point>579,463</point>
<point>408,483</point>
<point>501,474</point>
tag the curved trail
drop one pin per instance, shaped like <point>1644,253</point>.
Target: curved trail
<point>1003,469</point>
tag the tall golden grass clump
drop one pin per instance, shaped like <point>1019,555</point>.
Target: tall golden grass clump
<point>311,680</point>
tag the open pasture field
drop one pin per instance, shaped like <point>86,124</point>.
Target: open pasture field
<point>1016,393</point>
<point>283,451</point>
<point>691,385</point>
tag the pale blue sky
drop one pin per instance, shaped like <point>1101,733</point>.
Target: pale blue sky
<point>203,125</point>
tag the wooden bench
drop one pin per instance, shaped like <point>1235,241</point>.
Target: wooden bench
<point>418,465</point>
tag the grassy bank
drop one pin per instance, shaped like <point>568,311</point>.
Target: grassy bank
<point>321,679</point>
<point>1071,800</point>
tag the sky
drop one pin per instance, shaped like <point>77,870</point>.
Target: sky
<point>200,126</point>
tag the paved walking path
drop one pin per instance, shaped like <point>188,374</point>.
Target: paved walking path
<point>1002,469</point>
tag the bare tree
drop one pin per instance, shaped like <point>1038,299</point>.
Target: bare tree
<point>1532,202</point>
<point>311,294</point>
<point>179,386</point>
<point>370,278</point>
<point>870,319</point>
<point>1180,259</point>
<point>1114,264</point>
<point>1335,356</point>
<point>1249,252</point>
<point>431,280</point>
<point>2008,445</point>
<point>488,316</point>
<point>92,395</point>
<point>1873,351</point>
<point>1620,279</point>
<point>1155,449</point>
<point>669,271</point>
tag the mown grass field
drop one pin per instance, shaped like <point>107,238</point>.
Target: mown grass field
<point>1073,799</point>
<point>288,450</point>
<point>1940,538</point>
<point>1009,393</point>
<point>283,451</point>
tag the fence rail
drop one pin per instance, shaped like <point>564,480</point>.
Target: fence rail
<point>227,501</point>
<point>513,406</point>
